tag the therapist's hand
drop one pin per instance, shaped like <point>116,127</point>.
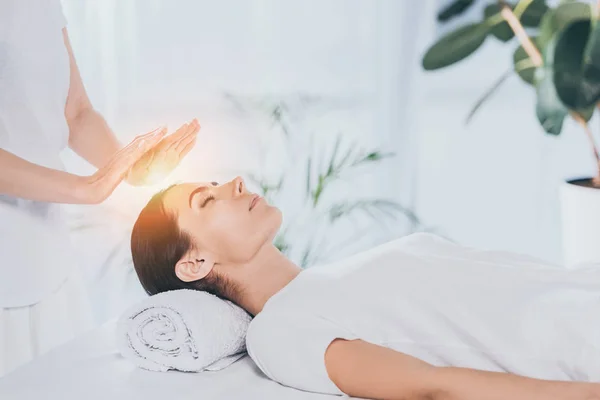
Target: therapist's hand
<point>163,158</point>
<point>96,188</point>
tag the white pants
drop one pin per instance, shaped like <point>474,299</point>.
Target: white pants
<point>28,332</point>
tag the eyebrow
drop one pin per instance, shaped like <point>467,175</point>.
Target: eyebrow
<point>198,190</point>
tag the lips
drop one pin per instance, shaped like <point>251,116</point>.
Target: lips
<point>253,202</point>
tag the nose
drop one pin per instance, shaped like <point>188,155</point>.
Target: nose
<point>239,186</point>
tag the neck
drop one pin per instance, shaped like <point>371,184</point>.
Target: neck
<point>258,280</point>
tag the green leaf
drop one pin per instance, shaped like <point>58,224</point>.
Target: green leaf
<point>336,147</point>
<point>318,190</point>
<point>550,111</point>
<point>488,94</point>
<point>387,207</point>
<point>344,160</point>
<point>547,28</point>
<point>454,9</point>
<point>455,46</point>
<point>523,65</point>
<point>577,65</point>
<point>591,66</point>
<point>373,156</point>
<point>566,13</point>
<point>308,175</point>
<point>281,244</point>
<point>555,20</point>
<point>532,17</point>
<point>501,31</point>
<point>306,254</point>
<point>588,113</point>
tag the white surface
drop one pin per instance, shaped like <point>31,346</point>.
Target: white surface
<point>580,208</point>
<point>445,304</point>
<point>184,330</point>
<point>34,82</point>
<point>91,368</point>
<point>37,255</point>
<point>28,332</point>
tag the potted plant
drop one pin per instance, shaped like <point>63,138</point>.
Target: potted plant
<point>558,55</point>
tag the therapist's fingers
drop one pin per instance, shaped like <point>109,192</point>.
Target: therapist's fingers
<point>185,132</point>
<point>184,142</point>
<point>125,158</point>
<point>101,185</point>
<point>176,136</point>
<point>141,143</point>
<point>121,168</point>
<point>187,148</point>
<point>192,128</point>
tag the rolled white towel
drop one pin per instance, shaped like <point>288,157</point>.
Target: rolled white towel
<point>184,330</point>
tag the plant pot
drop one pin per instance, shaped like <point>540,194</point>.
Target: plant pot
<point>580,212</point>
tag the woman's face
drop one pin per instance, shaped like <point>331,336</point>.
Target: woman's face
<point>225,220</point>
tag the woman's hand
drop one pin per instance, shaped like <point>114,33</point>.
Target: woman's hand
<point>96,188</point>
<point>163,158</point>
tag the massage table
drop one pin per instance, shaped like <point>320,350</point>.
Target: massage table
<point>91,368</point>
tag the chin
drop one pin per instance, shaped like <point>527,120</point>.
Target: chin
<point>273,226</point>
<point>278,219</point>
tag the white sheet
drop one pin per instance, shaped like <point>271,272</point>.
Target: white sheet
<point>90,367</point>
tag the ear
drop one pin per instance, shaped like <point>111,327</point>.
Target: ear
<point>194,266</point>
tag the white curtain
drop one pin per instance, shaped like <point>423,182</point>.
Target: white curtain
<point>346,67</point>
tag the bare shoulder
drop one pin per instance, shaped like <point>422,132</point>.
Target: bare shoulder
<point>364,369</point>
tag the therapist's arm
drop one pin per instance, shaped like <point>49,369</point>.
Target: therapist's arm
<point>27,180</point>
<point>366,370</point>
<point>89,134</point>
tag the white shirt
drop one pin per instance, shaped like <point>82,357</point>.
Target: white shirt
<point>34,84</point>
<point>443,303</point>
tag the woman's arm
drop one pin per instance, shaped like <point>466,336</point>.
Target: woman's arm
<point>20,178</point>
<point>366,370</point>
<point>89,134</point>
<point>23,179</point>
<point>472,384</point>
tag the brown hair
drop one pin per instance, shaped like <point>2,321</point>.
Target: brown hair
<point>157,244</point>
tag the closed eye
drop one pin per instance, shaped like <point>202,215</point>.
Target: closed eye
<point>207,199</point>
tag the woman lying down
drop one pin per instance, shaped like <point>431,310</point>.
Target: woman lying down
<point>415,318</point>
